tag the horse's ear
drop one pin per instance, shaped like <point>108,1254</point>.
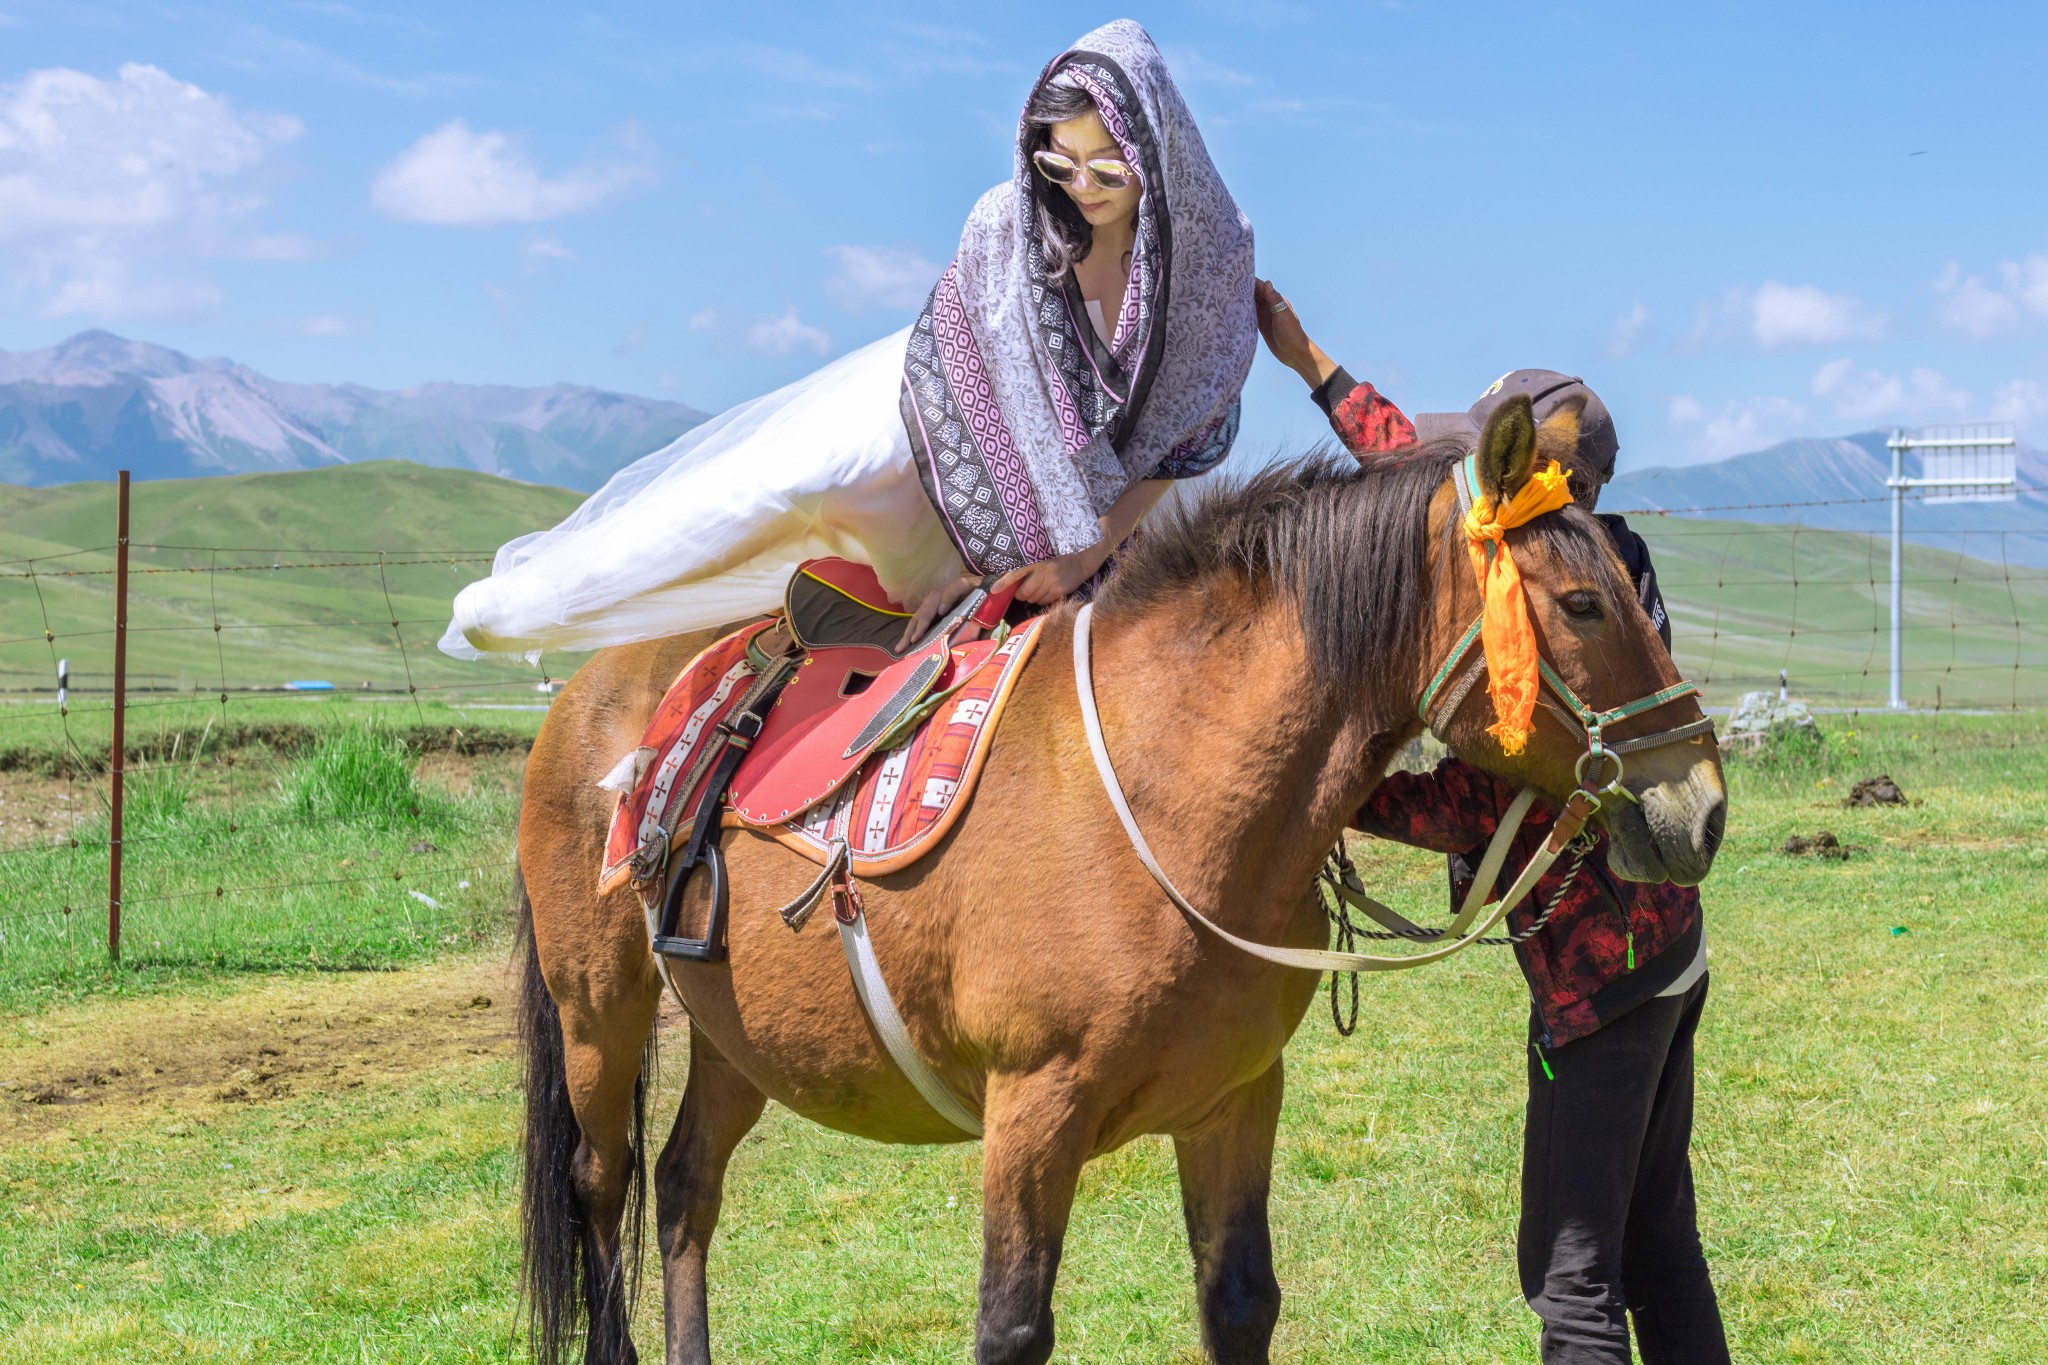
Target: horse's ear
<point>1557,436</point>
<point>1507,449</point>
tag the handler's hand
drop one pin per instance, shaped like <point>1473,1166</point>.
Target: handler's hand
<point>1286,338</point>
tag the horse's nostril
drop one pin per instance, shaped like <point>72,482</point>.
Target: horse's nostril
<point>1713,824</point>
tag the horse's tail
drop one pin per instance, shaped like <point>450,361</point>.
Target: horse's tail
<point>560,1262</point>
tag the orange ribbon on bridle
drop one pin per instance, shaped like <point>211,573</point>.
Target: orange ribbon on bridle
<point>1505,630</point>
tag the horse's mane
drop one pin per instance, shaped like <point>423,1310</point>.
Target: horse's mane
<point>1345,544</point>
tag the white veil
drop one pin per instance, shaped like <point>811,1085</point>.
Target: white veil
<point>707,529</point>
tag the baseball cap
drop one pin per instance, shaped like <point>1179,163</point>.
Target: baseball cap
<point>1547,391</point>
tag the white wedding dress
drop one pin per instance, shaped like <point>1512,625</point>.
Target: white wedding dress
<point>708,529</point>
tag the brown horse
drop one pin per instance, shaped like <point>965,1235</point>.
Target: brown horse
<point>1257,659</point>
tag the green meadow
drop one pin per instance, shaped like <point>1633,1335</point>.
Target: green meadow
<point>302,572</point>
<point>276,1158</point>
<point>1747,600</point>
<point>289,566</point>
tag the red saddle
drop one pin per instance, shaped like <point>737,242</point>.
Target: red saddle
<point>853,694</point>
<point>854,687</point>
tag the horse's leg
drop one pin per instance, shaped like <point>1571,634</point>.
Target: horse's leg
<point>604,1041</point>
<point>1034,1145</point>
<point>719,1106</point>
<point>1226,1169</point>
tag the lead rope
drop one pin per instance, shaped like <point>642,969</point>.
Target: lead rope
<point>1338,909</point>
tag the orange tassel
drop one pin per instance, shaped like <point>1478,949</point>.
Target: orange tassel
<point>1505,630</point>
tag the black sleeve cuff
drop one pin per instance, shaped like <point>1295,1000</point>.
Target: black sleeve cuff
<point>1333,391</point>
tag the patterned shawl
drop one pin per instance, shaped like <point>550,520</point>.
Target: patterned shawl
<point>1025,427</point>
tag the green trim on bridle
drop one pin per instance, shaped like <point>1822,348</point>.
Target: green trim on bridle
<point>1589,723</point>
<point>1443,675</point>
<point>1575,713</point>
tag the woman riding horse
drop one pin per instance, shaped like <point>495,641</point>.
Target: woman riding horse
<point>1086,347</point>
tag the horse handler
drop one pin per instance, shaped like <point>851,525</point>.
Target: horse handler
<point>1617,972</point>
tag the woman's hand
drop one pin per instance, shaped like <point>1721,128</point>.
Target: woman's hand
<point>1051,581</point>
<point>1285,337</point>
<point>936,604</point>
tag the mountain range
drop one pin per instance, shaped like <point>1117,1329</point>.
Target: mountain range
<point>81,409</point>
<point>97,403</point>
<point>1840,485</point>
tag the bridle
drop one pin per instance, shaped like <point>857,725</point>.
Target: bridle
<point>1441,698</point>
<point>1555,695</point>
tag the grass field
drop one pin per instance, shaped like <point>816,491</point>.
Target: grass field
<point>1747,599</point>
<point>318,841</point>
<point>325,611</point>
<point>273,1159</point>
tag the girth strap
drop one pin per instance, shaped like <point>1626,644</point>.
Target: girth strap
<point>868,983</point>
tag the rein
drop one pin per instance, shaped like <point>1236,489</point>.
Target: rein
<point>1446,691</point>
<point>1475,918</point>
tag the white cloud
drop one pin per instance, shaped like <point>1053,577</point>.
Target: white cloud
<point>1860,395</point>
<point>1190,67</point>
<point>326,325</point>
<point>113,191</point>
<point>704,319</point>
<point>538,251</point>
<point>455,177</point>
<point>2027,281</point>
<point>788,333</point>
<point>1628,330</point>
<point>2019,400</point>
<point>1967,304</point>
<point>880,277</point>
<point>1737,427</point>
<point>1804,315</point>
<point>633,340</point>
<point>801,69</point>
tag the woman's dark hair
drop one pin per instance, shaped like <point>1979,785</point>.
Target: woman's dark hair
<point>1065,233</point>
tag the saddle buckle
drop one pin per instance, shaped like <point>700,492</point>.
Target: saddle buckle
<point>846,900</point>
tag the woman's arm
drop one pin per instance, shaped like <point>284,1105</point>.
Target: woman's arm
<point>1050,580</point>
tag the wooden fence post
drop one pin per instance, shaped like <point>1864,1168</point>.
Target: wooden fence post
<point>119,755</point>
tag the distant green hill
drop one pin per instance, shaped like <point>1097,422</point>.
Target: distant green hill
<point>1746,599</point>
<point>329,621</point>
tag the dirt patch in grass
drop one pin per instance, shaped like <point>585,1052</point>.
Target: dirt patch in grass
<point>40,810</point>
<point>111,1062</point>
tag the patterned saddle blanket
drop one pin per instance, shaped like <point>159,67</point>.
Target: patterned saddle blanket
<point>868,744</point>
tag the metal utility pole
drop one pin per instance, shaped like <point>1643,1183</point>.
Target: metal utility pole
<point>1970,464</point>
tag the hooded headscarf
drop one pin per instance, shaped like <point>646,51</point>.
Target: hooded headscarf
<point>1024,426</point>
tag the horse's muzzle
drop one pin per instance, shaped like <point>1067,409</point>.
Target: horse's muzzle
<point>1673,829</point>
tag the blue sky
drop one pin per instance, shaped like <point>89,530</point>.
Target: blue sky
<point>1738,221</point>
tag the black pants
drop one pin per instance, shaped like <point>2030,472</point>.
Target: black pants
<point>1609,1227</point>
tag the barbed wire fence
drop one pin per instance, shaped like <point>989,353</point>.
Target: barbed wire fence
<point>244,663</point>
<point>243,659</point>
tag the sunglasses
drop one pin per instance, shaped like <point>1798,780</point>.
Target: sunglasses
<point>1064,170</point>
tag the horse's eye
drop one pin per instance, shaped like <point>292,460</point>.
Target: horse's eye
<point>1582,605</point>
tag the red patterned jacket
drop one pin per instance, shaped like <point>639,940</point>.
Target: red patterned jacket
<point>1610,944</point>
